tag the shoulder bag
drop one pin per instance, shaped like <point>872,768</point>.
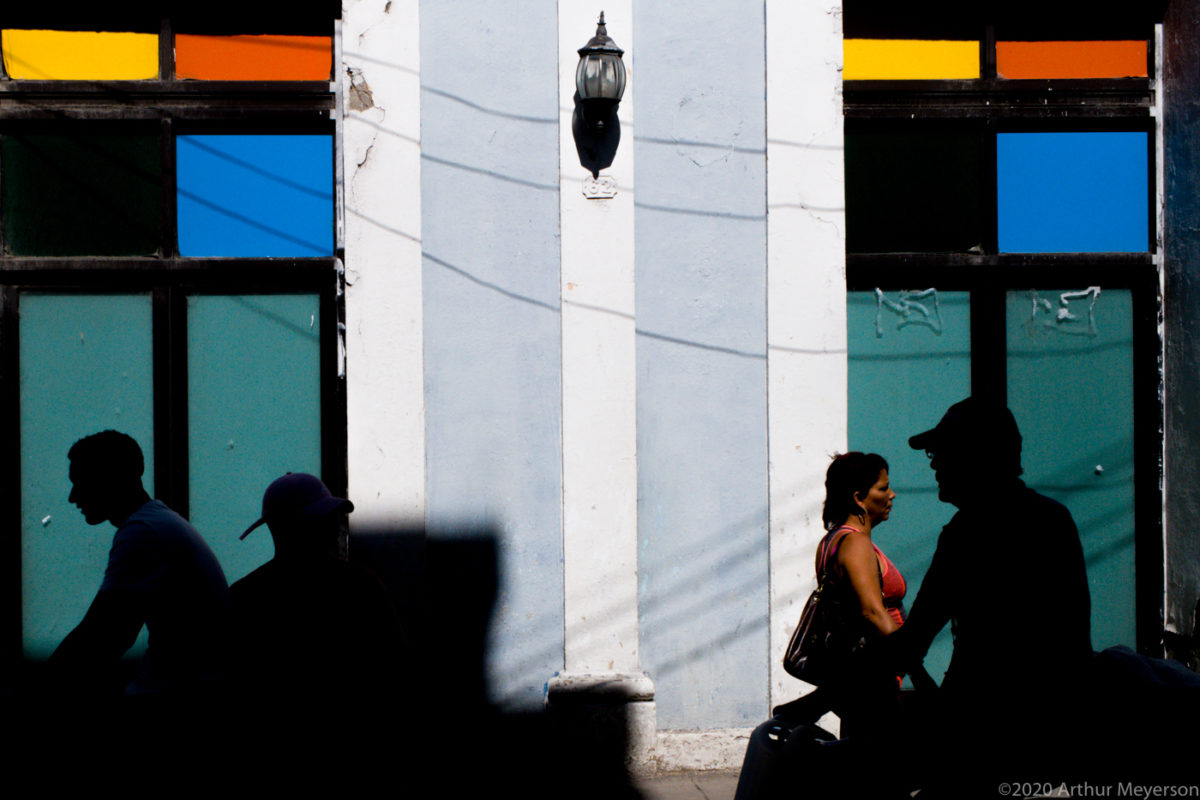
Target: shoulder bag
<point>829,635</point>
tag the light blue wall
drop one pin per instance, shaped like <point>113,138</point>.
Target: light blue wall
<point>701,360</point>
<point>489,194</point>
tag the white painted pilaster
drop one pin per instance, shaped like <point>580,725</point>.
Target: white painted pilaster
<point>806,306</point>
<point>381,106</point>
<point>599,392</point>
<point>598,377</point>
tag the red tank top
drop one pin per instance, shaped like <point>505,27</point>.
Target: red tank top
<point>894,586</point>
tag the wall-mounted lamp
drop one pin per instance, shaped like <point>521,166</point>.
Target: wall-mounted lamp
<point>599,84</point>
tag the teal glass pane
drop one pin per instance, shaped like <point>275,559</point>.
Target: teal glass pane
<point>87,193</point>
<point>254,412</point>
<point>86,366</point>
<point>909,360</point>
<point>1070,386</point>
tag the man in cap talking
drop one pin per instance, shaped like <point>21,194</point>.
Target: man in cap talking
<point>1009,575</point>
<point>1008,570</point>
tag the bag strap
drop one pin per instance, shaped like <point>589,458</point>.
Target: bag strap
<point>833,540</point>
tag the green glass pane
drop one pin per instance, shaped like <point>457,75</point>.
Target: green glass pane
<point>913,192</point>
<point>909,360</point>
<point>81,193</point>
<point>86,366</point>
<point>254,412</point>
<point>1070,386</point>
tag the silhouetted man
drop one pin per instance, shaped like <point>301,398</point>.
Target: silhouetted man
<point>1009,574</point>
<point>316,635</point>
<point>160,574</point>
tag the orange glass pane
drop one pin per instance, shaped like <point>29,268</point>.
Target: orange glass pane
<point>253,58</point>
<point>1016,60</point>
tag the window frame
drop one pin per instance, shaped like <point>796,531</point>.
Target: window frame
<point>994,105</point>
<point>174,105</point>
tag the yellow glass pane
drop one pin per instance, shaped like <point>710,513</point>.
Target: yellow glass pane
<point>909,59</point>
<point>80,55</point>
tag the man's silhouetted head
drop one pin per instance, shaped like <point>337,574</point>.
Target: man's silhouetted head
<point>303,516</point>
<point>975,446</point>
<point>106,476</point>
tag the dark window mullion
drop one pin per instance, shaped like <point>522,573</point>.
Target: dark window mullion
<point>987,60</point>
<point>166,51</point>
<point>989,348</point>
<point>988,188</point>
<point>1149,571</point>
<point>333,391</point>
<point>167,189</point>
<point>170,398</point>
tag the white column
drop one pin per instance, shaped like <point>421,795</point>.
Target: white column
<point>806,290</point>
<point>381,129</point>
<point>599,392</point>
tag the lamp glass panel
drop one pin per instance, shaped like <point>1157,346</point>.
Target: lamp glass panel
<point>587,76</point>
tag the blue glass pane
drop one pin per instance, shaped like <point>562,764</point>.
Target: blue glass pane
<point>1070,386</point>
<point>1072,192</point>
<point>254,412</point>
<point>910,359</point>
<point>255,195</point>
<point>86,366</point>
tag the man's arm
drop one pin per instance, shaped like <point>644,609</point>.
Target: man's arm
<point>930,611</point>
<point>109,628</point>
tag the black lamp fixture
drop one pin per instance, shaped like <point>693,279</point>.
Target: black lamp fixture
<point>599,84</point>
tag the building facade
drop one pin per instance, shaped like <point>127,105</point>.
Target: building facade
<point>359,242</point>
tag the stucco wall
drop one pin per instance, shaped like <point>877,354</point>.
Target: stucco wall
<point>701,352</point>
<point>381,201</point>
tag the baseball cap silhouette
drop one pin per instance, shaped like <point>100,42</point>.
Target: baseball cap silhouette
<point>982,426</point>
<point>296,496</point>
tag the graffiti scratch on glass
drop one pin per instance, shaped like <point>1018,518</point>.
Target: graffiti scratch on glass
<point>911,308</point>
<point>1073,315</point>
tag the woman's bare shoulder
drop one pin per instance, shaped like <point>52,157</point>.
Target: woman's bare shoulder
<point>854,545</point>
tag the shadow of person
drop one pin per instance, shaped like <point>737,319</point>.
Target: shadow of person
<point>1009,575</point>
<point>457,742</point>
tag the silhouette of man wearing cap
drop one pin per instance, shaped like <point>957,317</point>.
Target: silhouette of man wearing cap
<point>315,635</point>
<point>1009,574</point>
<point>1008,570</point>
<point>160,574</point>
